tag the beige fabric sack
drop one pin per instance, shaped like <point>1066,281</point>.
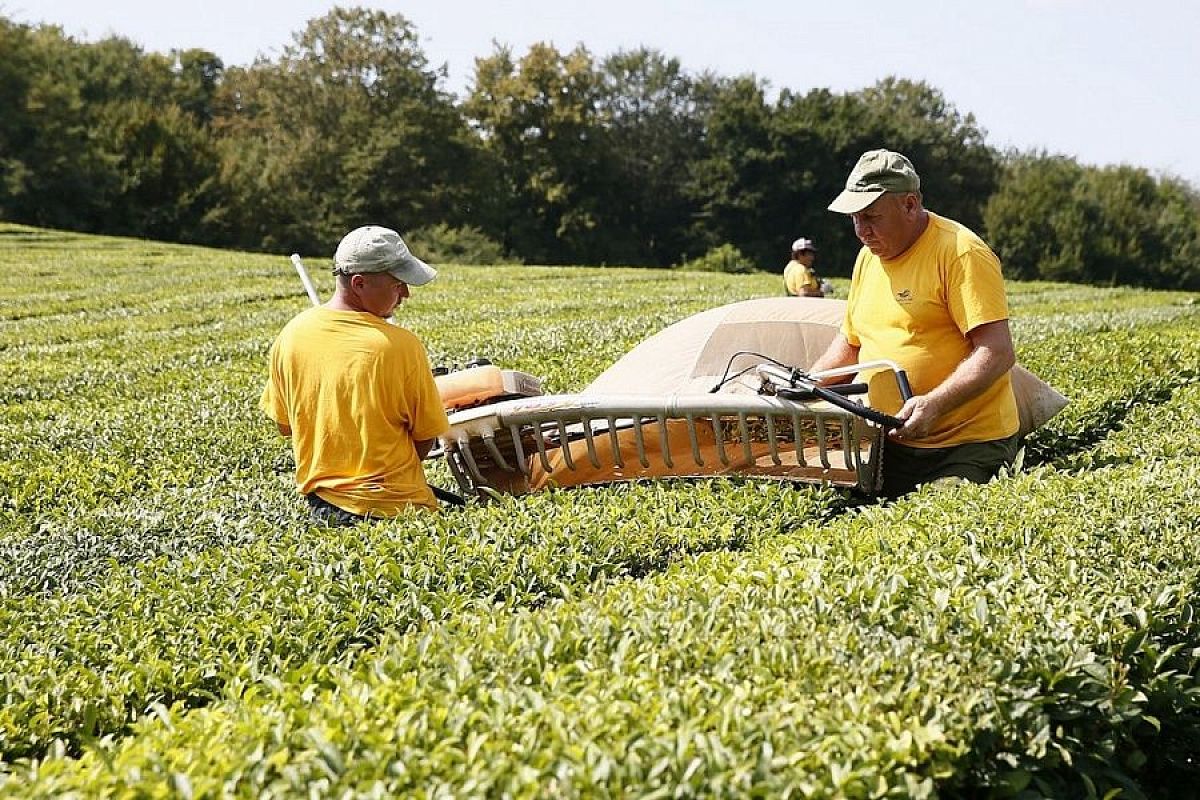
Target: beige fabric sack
<point>1037,401</point>
<point>690,356</point>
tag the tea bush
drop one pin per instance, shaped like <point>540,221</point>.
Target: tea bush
<point>172,624</point>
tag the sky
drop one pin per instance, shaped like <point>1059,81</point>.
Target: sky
<point>1105,82</point>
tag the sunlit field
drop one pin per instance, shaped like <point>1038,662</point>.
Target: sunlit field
<point>171,623</point>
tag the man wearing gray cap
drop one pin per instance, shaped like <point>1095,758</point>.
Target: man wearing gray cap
<point>354,392</point>
<point>926,293</point>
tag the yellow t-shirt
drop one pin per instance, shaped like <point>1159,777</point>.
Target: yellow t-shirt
<point>916,310</point>
<point>797,277</point>
<point>356,392</point>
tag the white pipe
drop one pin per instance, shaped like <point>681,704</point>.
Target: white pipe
<point>783,375</point>
<point>308,284</point>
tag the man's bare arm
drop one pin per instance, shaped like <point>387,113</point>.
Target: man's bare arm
<point>991,356</point>
<point>840,353</point>
<point>284,430</point>
<point>423,447</point>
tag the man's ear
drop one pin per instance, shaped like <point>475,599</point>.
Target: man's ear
<point>357,281</point>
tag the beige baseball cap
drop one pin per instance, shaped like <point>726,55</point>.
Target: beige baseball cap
<point>373,248</point>
<point>876,173</point>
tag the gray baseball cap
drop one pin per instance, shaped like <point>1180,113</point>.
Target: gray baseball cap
<point>373,248</point>
<point>876,173</point>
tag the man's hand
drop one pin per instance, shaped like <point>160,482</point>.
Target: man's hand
<point>919,414</point>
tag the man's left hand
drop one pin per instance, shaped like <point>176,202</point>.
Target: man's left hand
<point>919,415</point>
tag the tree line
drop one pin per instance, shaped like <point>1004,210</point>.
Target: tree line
<point>551,157</point>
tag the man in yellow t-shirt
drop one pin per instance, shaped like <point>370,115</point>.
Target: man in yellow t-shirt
<point>354,392</point>
<point>799,278</point>
<point>927,293</point>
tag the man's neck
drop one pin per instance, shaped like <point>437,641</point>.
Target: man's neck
<point>343,301</point>
<point>919,226</point>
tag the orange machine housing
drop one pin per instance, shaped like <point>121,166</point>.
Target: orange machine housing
<point>487,383</point>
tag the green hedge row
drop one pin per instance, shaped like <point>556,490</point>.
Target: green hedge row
<point>1037,632</point>
<point>1036,637</point>
<point>166,610</point>
<point>87,663</point>
<point>188,464</point>
<point>1107,375</point>
<point>69,551</point>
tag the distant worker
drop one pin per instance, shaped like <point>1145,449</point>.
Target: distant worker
<point>799,277</point>
<point>927,293</point>
<point>354,392</point>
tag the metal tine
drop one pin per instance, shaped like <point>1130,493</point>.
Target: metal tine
<point>465,449</point>
<point>540,441</point>
<point>822,440</point>
<point>591,445</point>
<point>744,432</point>
<point>691,426</point>
<point>847,441</point>
<point>860,458</point>
<point>458,469</point>
<point>665,441</point>
<point>564,445</point>
<point>798,436</point>
<point>490,441</point>
<point>515,433</point>
<point>641,443</point>
<point>720,437</point>
<point>615,442</point>
<point>772,440</point>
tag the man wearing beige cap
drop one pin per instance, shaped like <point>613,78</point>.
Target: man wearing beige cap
<point>354,392</point>
<point>927,293</point>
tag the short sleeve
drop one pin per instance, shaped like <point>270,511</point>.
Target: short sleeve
<point>271,402</point>
<point>975,290</point>
<point>426,412</point>
<point>852,299</point>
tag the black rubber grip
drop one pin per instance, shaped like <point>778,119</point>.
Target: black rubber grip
<point>807,394</point>
<point>833,398</point>
<point>905,388</point>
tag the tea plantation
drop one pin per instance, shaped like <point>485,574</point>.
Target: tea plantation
<point>172,625</point>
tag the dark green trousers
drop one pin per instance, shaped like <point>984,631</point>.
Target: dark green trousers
<point>905,468</point>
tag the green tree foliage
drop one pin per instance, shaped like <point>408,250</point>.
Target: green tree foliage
<point>540,118</point>
<point>161,166</point>
<point>1054,219</point>
<point>816,135</point>
<point>734,181</point>
<point>771,169</point>
<point>94,136</point>
<point>49,169</point>
<point>350,124</point>
<point>16,126</point>
<point>655,114</point>
<point>556,157</point>
<point>466,245</point>
<point>198,75</point>
<point>958,170</point>
<point>1023,218</point>
<point>723,258</point>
